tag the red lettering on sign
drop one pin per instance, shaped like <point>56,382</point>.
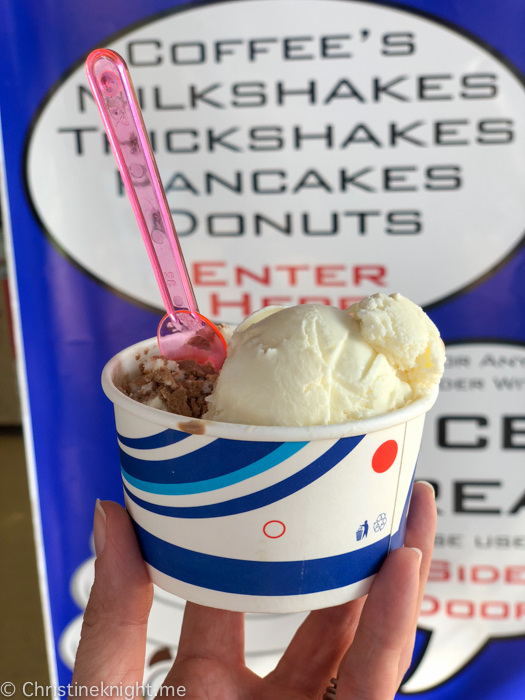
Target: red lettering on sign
<point>326,276</point>
<point>217,304</point>
<point>520,610</point>
<point>439,571</point>
<point>460,609</point>
<point>201,275</point>
<point>484,573</point>
<point>467,609</point>
<point>241,272</point>
<point>370,273</point>
<point>494,610</point>
<point>429,606</point>
<point>515,574</point>
<point>275,301</point>
<point>292,272</point>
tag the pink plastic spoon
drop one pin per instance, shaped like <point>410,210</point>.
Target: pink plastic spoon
<point>183,333</point>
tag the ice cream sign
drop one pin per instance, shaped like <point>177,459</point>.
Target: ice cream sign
<point>311,151</point>
<point>476,589</point>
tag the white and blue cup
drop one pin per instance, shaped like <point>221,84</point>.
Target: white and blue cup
<point>260,518</point>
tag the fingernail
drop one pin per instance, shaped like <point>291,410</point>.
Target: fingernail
<point>427,483</point>
<point>99,528</point>
<point>418,552</point>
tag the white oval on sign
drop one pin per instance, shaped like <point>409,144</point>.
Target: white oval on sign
<point>472,451</point>
<point>312,150</point>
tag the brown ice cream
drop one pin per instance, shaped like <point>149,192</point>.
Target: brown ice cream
<point>177,387</point>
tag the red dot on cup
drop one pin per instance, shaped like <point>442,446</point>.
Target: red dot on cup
<point>274,529</point>
<point>385,456</point>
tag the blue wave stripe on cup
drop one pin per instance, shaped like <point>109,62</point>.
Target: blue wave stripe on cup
<point>286,450</point>
<point>261,578</point>
<point>209,462</point>
<point>261,498</point>
<point>152,442</point>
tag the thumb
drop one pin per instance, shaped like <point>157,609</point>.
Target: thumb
<point>113,641</point>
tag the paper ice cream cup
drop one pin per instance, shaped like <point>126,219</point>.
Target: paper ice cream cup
<point>259,518</point>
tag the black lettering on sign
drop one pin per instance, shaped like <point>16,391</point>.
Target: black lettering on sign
<point>79,138</point>
<point>266,138</point>
<point>254,48</point>
<point>249,94</point>
<point>398,44</point>
<point>495,131</point>
<point>479,86</point>
<point>443,177</point>
<point>331,45</point>
<point>444,441</point>
<point>404,222</point>
<point>172,142</point>
<point>431,87</point>
<point>159,102</point>
<point>188,53</point>
<point>510,430</point>
<point>143,53</point>
<point>221,51</point>
<point>191,218</point>
<point>362,219</point>
<point>462,496</point>
<point>262,186</point>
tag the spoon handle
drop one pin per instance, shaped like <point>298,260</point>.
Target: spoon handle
<point>116,100</point>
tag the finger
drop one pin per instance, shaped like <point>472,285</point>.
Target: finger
<point>314,654</point>
<point>371,667</point>
<point>113,641</point>
<point>420,533</point>
<point>421,528</point>
<point>208,633</point>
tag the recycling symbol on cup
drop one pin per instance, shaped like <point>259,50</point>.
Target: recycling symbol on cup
<point>380,522</point>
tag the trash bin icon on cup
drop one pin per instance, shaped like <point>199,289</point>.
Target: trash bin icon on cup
<point>362,531</point>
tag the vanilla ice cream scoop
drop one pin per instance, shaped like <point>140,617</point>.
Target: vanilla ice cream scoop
<point>315,364</point>
<point>399,329</point>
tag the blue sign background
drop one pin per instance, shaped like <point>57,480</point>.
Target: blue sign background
<point>71,325</point>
